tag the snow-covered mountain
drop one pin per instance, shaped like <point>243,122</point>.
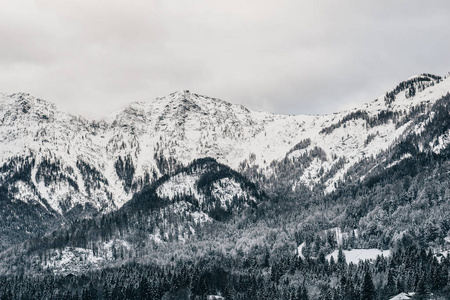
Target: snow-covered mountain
<point>209,187</point>
<point>171,209</point>
<point>66,164</point>
<point>60,157</point>
<point>171,194</point>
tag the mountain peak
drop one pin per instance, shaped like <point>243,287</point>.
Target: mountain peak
<point>24,106</point>
<point>27,101</point>
<point>425,76</point>
<point>182,92</point>
<point>178,103</point>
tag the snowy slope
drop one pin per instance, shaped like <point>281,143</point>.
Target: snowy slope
<point>53,148</point>
<point>223,190</point>
<point>184,126</point>
<point>76,162</point>
<point>206,186</point>
<point>357,255</point>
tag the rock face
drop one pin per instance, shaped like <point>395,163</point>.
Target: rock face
<point>57,166</point>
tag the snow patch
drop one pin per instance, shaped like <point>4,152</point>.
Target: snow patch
<point>178,185</point>
<point>71,260</point>
<point>226,190</point>
<point>300,250</point>
<point>403,296</point>
<point>357,255</point>
<point>404,156</point>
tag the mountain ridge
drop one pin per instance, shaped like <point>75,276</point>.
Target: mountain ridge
<point>72,165</point>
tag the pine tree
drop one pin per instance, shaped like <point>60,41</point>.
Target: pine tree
<point>400,286</point>
<point>421,288</point>
<point>144,288</point>
<point>7,295</point>
<point>305,293</point>
<point>390,284</point>
<point>341,258</point>
<point>367,288</point>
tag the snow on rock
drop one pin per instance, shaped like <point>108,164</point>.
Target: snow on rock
<point>404,156</point>
<point>111,248</point>
<point>227,189</point>
<point>187,184</point>
<point>71,260</point>
<point>199,217</point>
<point>179,185</point>
<point>24,193</point>
<point>214,297</point>
<point>300,250</point>
<point>442,142</point>
<point>357,255</point>
<point>403,296</point>
<point>35,131</point>
<point>442,254</point>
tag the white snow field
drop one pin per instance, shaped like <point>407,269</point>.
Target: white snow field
<point>357,255</point>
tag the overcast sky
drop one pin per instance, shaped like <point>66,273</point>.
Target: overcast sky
<point>92,57</point>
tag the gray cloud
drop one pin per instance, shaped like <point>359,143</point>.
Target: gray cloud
<point>297,57</point>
